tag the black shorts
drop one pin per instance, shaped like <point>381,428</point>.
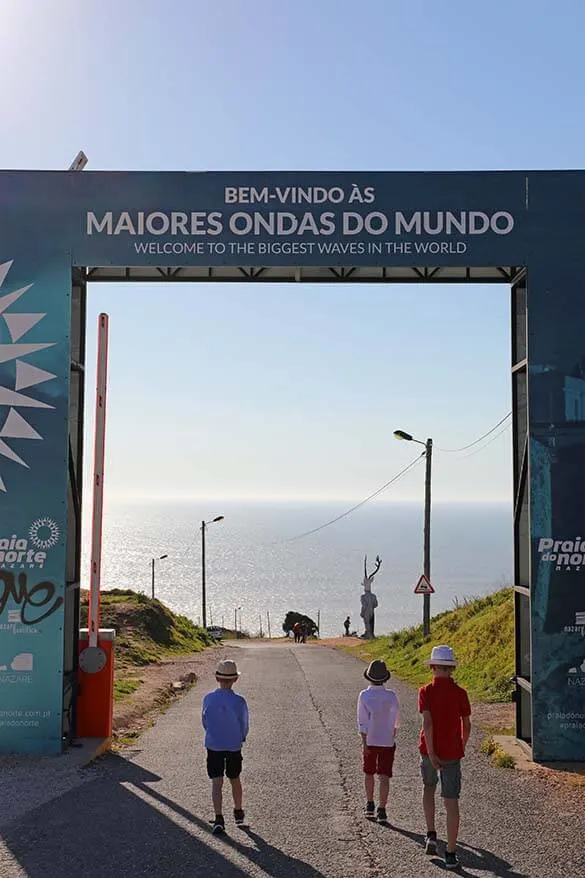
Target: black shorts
<point>220,762</point>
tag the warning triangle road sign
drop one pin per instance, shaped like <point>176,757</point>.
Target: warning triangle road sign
<point>423,586</point>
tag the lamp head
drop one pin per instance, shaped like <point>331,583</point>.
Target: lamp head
<point>400,434</point>
<point>79,162</point>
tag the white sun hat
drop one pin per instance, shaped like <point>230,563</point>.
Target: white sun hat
<point>442,656</point>
<point>227,670</point>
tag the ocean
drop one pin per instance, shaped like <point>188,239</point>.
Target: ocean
<point>256,567</point>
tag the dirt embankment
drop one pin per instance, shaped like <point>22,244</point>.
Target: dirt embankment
<point>160,685</point>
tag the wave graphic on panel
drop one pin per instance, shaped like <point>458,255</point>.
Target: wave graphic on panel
<point>25,376</point>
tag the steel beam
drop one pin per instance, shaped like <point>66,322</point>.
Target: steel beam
<point>307,274</point>
<point>523,693</point>
<point>74,504</point>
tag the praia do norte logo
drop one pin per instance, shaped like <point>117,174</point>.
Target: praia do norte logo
<point>566,555</point>
<point>29,552</point>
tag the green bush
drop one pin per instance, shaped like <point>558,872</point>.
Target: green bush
<point>503,760</point>
<point>292,617</point>
<point>488,746</point>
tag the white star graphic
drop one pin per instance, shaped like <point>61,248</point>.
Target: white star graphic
<point>14,425</point>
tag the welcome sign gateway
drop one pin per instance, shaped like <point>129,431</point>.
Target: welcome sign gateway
<point>61,230</point>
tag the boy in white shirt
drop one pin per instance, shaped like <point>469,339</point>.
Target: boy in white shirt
<point>378,713</point>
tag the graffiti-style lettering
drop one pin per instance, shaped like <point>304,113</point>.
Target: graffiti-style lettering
<point>39,597</point>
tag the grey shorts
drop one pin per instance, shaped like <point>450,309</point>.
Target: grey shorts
<point>450,774</point>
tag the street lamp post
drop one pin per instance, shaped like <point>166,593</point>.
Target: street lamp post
<point>203,583</point>
<point>236,620</point>
<point>160,558</point>
<point>428,446</point>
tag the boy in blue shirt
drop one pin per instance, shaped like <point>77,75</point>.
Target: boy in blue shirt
<point>225,720</point>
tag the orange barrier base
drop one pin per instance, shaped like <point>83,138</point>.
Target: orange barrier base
<point>95,700</point>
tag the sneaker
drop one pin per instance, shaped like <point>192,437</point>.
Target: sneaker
<point>451,861</point>
<point>239,816</point>
<point>370,809</point>
<point>218,825</point>
<point>381,815</point>
<point>431,844</point>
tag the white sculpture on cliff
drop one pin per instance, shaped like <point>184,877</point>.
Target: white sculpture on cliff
<point>369,599</point>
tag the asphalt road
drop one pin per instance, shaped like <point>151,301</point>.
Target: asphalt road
<point>148,813</point>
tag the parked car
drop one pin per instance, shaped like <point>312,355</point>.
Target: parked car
<point>215,632</point>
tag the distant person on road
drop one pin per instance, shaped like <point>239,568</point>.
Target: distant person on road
<point>444,734</point>
<point>297,632</point>
<point>346,625</point>
<point>226,723</point>
<point>378,714</point>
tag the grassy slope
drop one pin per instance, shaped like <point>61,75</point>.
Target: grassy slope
<point>481,632</point>
<point>146,631</point>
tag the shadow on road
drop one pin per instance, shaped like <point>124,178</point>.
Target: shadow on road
<point>120,824</point>
<point>116,826</point>
<point>272,860</point>
<point>472,857</point>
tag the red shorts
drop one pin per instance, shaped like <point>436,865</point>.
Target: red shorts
<point>379,760</point>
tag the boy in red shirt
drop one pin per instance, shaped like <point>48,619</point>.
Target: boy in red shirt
<point>445,731</point>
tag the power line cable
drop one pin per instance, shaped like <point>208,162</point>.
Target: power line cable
<point>476,441</point>
<point>403,472</point>
<point>493,439</point>
<point>399,475</point>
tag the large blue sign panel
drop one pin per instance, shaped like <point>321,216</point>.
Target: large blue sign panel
<point>34,373</point>
<point>556,355</point>
<point>277,219</point>
<point>52,221</point>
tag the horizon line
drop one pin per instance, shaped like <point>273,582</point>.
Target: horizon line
<point>460,501</point>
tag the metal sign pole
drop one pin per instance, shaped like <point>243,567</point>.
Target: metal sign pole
<point>98,480</point>
<point>427,539</point>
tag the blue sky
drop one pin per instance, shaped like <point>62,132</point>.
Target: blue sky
<point>295,391</point>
